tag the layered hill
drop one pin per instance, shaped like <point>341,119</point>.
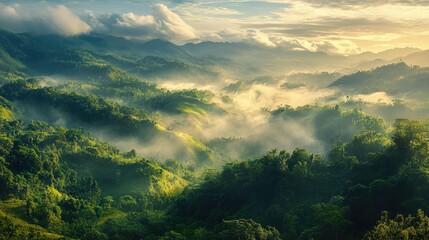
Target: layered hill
<point>78,87</point>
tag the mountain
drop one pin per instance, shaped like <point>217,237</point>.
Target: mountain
<point>155,47</point>
<point>278,58</point>
<point>103,137</point>
<point>369,60</point>
<point>123,126</point>
<point>108,44</point>
<point>397,53</point>
<point>82,90</point>
<point>162,48</point>
<point>418,58</point>
<point>394,78</point>
<point>388,54</point>
<point>241,58</point>
<point>216,48</point>
<point>391,91</point>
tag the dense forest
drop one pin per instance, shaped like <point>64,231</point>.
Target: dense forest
<point>95,145</point>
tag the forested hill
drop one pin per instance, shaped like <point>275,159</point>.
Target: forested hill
<point>78,88</point>
<point>307,197</point>
<point>103,137</point>
<point>99,57</point>
<point>59,182</point>
<point>63,181</point>
<point>398,79</point>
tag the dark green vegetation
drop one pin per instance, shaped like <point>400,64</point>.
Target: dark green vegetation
<point>91,150</point>
<point>304,196</point>
<point>68,182</point>
<point>73,185</point>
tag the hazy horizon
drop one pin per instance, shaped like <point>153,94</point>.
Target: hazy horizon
<point>343,27</point>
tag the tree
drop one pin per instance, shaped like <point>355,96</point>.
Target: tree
<point>107,202</point>
<point>399,228</point>
<point>127,202</point>
<point>246,229</point>
<point>411,141</point>
<point>330,220</point>
<point>367,142</point>
<point>25,159</point>
<point>6,179</point>
<point>298,155</point>
<point>172,235</point>
<point>6,145</point>
<point>339,159</point>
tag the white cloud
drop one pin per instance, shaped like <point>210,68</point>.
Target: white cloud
<point>41,20</point>
<point>170,23</point>
<point>364,3</point>
<point>337,25</point>
<point>258,37</point>
<point>343,47</point>
<point>162,23</point>
<point>45,19</point>
<point>254,36</point>
<point>376,97</point>
<point>204,10</point>
<point>379,22</point>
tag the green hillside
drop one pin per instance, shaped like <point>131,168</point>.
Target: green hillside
<point>109,137</point>
<point>79,88</point>
<point>66,181</point>
<point>306,197</point>
<point>101,117</point>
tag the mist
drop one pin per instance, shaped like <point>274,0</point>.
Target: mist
<point>247,123</point>
<point>249,129</point>
<point>237,121</point>
<point>245,127</point>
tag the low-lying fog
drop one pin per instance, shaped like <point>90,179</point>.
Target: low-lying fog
<point>246,128</point>
<point>249,125</point>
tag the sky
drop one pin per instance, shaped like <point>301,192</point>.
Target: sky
<point>335,26</point>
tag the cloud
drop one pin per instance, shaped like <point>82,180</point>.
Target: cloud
<point>362,22</point>
<point>376,97</point>
<point>334,27</point>
<point>306,20</point>
<point>365,3</point>
<point>204,10</point>
<point>163,24</point>
<point>343,47</point>
<point>256,37</point>
<point>45,19</point>
<point>41,20</point>
<point>252,36</point>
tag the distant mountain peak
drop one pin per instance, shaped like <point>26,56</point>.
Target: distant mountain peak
<point>164,48</point>
<point>159,42</point>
